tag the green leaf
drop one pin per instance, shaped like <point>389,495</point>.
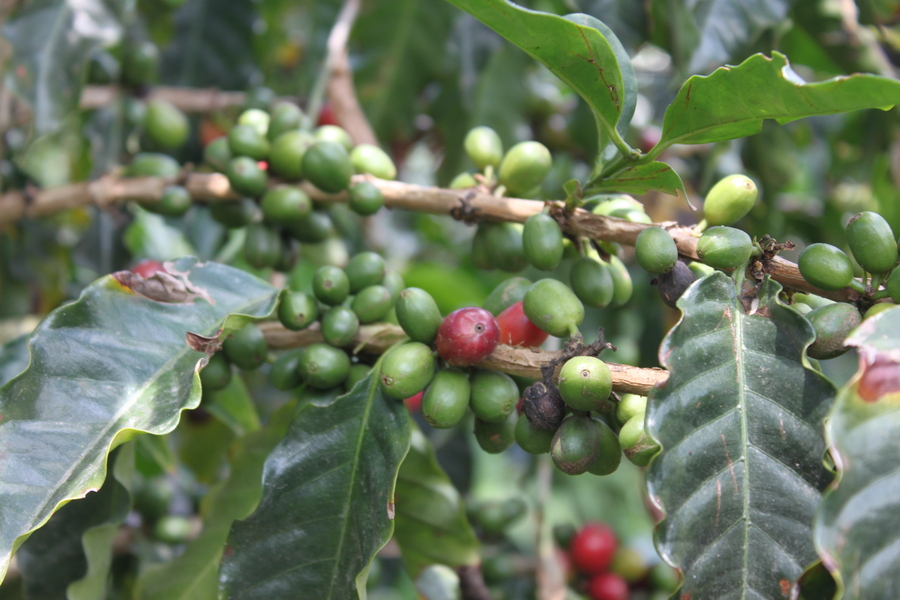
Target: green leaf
<point>578,49</point>
<point>642,178</point>
<point>212,45</point>
<point>103,368</point>
<point>195,574</point>
<point>856,526</point>
<point>234,407</point>
<point>327,503</point>
<point>150,236</point>
<point>202,442</point>
<point>733,102</point>
<point>13,358</point>
<point>51,41</point>
<point>431,525</point>
<point>740,422</point>
<point>74,550</point>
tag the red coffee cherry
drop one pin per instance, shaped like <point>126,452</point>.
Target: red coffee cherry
<point>147,268</point>
<point>593,548</point>
<point>608,586</point>
<point>467,336</point>
<point>517,330</point>
<point>414,403</point>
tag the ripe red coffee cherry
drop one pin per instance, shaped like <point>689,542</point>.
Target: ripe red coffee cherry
<point>593,548</point>
<point>414,403</point>
<point>467,336</point>
<point>608,586</point>
<point>517,330</point>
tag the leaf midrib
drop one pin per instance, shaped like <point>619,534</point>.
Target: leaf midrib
<point>745,439</point>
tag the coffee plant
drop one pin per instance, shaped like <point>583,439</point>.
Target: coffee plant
<point>457,299</point>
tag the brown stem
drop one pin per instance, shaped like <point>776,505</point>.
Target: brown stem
<point>111,189</point>
<point>471,583</point>
<point>193,100</point>
<point>526,362</point>
<point>345,104</point>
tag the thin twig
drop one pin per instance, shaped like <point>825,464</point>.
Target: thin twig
<point>337,42</point>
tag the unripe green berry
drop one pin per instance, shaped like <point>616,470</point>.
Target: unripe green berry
<point>825,267</point>
<point>656,250</point>
<point>484,147</point>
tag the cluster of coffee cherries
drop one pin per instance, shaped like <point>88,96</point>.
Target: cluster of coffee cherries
<point>342,300</point>
<point>261,145</point>
<point>517,313</point>
<point>596,564</point>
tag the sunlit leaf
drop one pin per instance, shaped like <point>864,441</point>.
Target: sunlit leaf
<point>640,179</point>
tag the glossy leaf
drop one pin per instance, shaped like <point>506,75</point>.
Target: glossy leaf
<point>13,358</point>
<point>858,523</point>
<point>74,550</point>
<point>212,45</point>
<point>431,525</point>
<point>740,422</point>
<point>234,407</point>
<point>327,503</point>
<point>589,60</point>
<point>103,367</point>
<point>51,41</point>
<point>194,575</point>
<point>640,179</point>
<point>150,236</point>
<point>733,102</point>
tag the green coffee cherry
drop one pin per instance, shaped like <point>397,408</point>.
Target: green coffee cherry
<point>552,306</point>
<point>334,134</point>
<point>418,315</point>
<point>358,372</point>
<point>166,125</point>
<point>833,324</point>
<point>173,529</point>
<point>504,242</point>
<point>481,255</point>
<point>234,214</point>
<point>730,200</point>
<point>615,207</point>
<point>531,439</point>
<point>259,97</point>
<point>297,310</point>
<point>724,247</point>
<point>262,246</point>
<point>174,202</point>
<point>629,406</point>
<point>575,445</point>
<point>592,282</point>
<point>812,300</point>
<point>140,62</point>
<point>286,154</point>
<point>245,140</point>
<point>484,147</point>
<point>524,167</point>
<point>872,242</point>
<point>656,250</point>
<point>285,117</point>
<point>217,154</point>
<point>893,286</point>
<point>246,177</point>
<point>372,303</point>
<point>629,564</point>
<point>446,399</point>
<point>393,281</point>
<point>364,269</point>
<point>622,284</point>
<point>313,228</point>
<point>494,395</point>
<point>285,374</point>
<point>585,383</point>
<point>365,198</point>
<point>372,160</point>
<point>609,452</point>
<point>327,166</point>
<point>285,205</point>
<point>330,285</point>
<point>152,164</point>
<point>216,375</point>
<point>406,370</point>
<point>878,308</point>
<point>256,118</point>
<point>246,348</point>
<point>494,438</point>
<point>462,181</point>
<point>339,326</point>
<point>637,445</point>
<point>825,267</point>
<point>324,367</point>
<point>506,294</point>
<point>700,270</point>
<point>542,241</point>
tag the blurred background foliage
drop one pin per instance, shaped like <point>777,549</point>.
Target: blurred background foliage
<point>425,73</point>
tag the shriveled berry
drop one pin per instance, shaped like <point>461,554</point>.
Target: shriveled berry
<point>672,285</point>
<point>543,406</point>
<point>467,336</point>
